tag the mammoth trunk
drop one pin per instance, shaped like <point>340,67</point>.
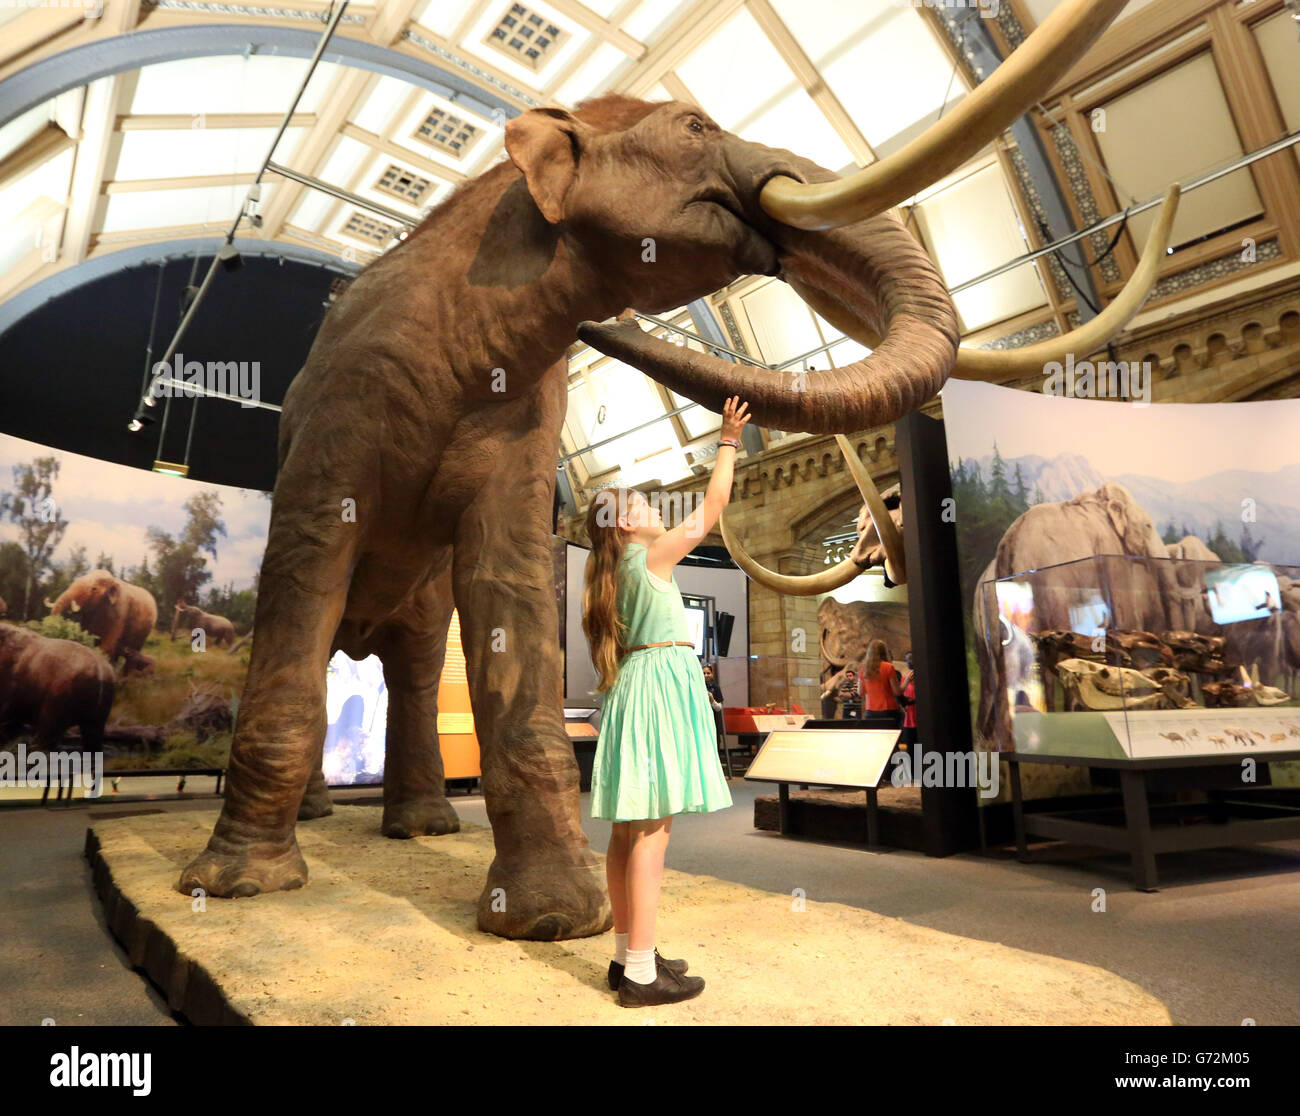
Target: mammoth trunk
<point>878,272</point>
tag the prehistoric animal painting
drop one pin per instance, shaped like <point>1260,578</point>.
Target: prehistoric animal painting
<point>101,555</point>
<point>51,685</point>
<point>217,629</point>
<point>456,341</point>
<point>121,614</point>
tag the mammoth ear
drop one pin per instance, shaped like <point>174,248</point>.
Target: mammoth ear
<point>113,591</point>
<point>545,144</point>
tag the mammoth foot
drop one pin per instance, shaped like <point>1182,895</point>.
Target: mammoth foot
<point>420,817</point>
<point>545,900</point>
<point>241,874</point>
<point>316,803</point>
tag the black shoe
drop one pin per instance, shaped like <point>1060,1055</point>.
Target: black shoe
<point>668,988</point>
<point>616,970</point>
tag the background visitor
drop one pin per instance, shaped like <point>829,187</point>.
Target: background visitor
<point>880,685</point>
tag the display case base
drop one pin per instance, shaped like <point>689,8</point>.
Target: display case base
<point>384,933</point>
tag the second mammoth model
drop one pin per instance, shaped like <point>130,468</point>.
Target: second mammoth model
<point>432,401</point>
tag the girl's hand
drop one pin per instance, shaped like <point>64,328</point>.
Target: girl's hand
<point>734,417</point>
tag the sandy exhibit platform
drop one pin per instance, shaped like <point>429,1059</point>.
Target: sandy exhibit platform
<point>384,933</point>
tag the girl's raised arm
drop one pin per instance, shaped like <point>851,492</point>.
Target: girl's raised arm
<point>672,546</point>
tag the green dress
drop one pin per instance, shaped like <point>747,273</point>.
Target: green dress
<point>657,752</point>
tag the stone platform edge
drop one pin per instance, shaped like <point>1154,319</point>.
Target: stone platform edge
<point>188,987</point>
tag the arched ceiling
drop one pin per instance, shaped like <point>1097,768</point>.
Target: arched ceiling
<point>413,95</point>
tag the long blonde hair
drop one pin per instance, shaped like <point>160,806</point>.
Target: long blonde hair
<point>877,653</point>
<point>606,633</point>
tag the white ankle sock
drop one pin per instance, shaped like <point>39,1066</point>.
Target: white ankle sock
<point>640,966</point>
<point>620,948</point>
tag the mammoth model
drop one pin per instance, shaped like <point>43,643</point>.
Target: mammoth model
<point>215,628</point>
<point>121,614</point>
<point>52,685</point>
<point>418,443</point>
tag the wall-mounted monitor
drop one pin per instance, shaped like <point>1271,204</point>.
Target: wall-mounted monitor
<point>697,622</point>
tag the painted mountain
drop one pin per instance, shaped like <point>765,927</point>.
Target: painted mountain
<point>1202,505</point>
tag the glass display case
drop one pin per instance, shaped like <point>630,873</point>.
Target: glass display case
<point>1118,656</point>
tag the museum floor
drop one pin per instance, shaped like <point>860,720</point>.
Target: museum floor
<point>1215,946</point>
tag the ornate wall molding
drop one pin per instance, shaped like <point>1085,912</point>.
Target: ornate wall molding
<point>811,461</point>
<point>1027,336</point>
<point>1231,264</point>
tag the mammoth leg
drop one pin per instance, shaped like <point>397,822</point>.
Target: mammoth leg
<point>303,590</point>
<point>412,649</point>
<point>316,801</point>
<point>544,884</point>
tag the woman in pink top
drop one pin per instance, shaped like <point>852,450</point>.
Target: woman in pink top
<point>907,699</point>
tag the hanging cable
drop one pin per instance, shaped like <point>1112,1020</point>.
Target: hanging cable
<point>943,107</point>
<point>153,326</point>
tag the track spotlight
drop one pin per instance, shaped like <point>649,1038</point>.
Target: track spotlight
<point>230,258</point>
<point>140,420</point>
<point>171,468</point>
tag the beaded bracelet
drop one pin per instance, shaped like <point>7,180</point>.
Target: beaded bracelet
<point>728,442</point>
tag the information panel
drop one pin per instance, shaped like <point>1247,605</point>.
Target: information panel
<point>829,757</point>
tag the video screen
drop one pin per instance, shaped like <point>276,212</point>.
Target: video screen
<point>1236,593</point>
<point>356,707</point>
<point>696,619</point>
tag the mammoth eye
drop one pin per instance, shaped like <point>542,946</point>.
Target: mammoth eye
<point>696,125</point>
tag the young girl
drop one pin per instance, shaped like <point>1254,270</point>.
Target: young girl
<point>657,753</point>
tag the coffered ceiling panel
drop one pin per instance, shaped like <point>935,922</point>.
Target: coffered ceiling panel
<point>881,60</point>
<point>1143,160</point>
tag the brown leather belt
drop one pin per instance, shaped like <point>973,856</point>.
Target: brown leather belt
<point>668,643</point>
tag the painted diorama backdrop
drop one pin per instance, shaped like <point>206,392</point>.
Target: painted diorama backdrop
<point>1040,480</point>
<point>156,574</point>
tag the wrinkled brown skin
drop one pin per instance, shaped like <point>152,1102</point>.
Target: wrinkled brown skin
<point>121,614</point>
<point>52,685</point>
<point>217,629</point>
<point>432,402</point>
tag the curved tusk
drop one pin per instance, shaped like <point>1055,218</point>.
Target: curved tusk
<point>1001,365</point>
<point>74,606</point>
<point>1023,79</point>
<point>886,528</point>
<point>793,585</point>
<point>997,365</point>
<point>49,603</point>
